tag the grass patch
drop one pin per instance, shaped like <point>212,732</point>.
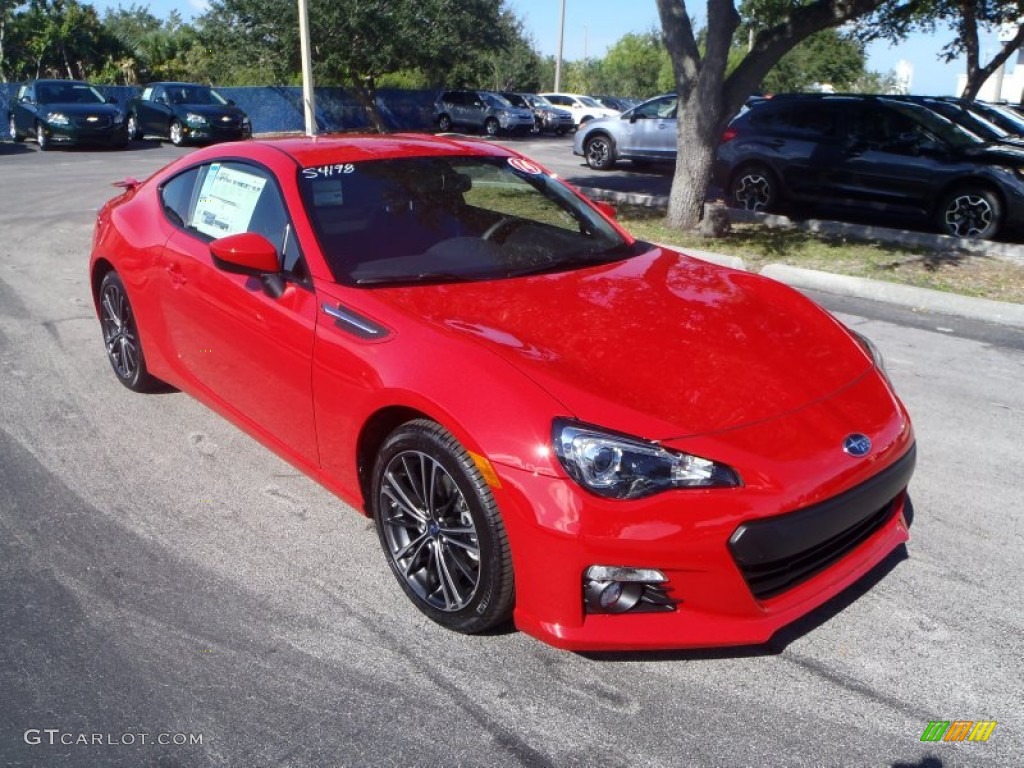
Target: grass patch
<point>758,245</point>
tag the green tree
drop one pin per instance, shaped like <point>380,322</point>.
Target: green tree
<point>354,43</point>
<point>826,58</point>
<point>968,19</point>
<point>633,65</point>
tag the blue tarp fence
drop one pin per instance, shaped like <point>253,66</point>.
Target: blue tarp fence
<point>276,109</point>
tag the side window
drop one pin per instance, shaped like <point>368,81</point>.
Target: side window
<point>24,93</point>
<point>222,199</point>
<point>662,108</point>
<point>147,94</point>
<point>812,121</point>
<point>177,195</point>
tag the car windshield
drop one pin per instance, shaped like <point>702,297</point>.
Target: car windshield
<point>494,100</point>
<point>1008,119</point>
<point>450,219</point>
<point>68,93</point>
<point>939,126</point>
<point>515,100</point>
<point>588,102</point>
<point>194,94</point>
<point>539,101</point>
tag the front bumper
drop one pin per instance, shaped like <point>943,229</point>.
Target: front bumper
<point>810,522</point>
<point>72,135</point>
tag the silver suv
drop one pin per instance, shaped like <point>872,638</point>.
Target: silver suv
<point>480,110</point>
<point>642,134</point>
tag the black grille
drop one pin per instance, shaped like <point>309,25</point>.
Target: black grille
<point>777,553</point>
<point>96,122</point>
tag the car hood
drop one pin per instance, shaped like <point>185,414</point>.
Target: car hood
<point>1004,151</point>
<point>661,345</point>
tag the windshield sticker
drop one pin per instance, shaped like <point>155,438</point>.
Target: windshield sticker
<point>328,192</point>
<point>226,201</point>
<point>525,166</point>
<point>327,171</point>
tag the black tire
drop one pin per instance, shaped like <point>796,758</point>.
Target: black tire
<point>560,130</point>
<point>973,212</point>
<point>41,139</point>
<point>444,124</point>
<point>599,152</point>
<point>133,128</point>
<point>176,132</point>
<point>441,530</point>
<point>13,129</point>
<point>491,126</point>
<point>754,188</point>
<point>121,336</point>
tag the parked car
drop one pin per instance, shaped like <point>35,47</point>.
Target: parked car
<point>480,111</point>
<point>583,108</point>
<point>184,113</point>
<point>617,102</point>
<point>643,134</point>
<point>65,113</point>
<point>967,117</point>
<point>411,320</point>
<point>1001,115</point>
<point>546,117</point>
<point>871,152</point>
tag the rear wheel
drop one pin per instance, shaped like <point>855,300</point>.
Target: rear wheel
<point>121,336</point>
<point>971,212</point>
<point>754,188</point>
<point>441,530</point>
<point>599,152</point>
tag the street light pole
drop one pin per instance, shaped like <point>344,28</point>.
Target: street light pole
<point>558,61</point>
<point>308,97</point>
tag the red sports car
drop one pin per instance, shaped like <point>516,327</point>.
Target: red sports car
<point>615,445</point>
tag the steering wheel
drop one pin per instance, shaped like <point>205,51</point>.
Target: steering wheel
<point>505,222</point>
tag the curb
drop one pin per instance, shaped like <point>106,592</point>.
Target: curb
<point>909,296</point>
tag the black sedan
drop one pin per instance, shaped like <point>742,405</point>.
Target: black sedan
<point>65,112</point>
<point>185,112</point>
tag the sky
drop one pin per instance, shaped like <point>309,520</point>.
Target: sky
<point>592,26</point>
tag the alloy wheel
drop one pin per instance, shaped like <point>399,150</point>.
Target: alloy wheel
<point>969,215</point>
<point>429,531</point>
<point>119,332</point>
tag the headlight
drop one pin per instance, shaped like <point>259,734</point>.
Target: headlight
<point>193,119</point>
<point>622,467</point>
<point>57,118</point>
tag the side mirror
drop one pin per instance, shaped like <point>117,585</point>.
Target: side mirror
<point>632,117</point>
<point>248,253</point>
<point>160,100</point>
<point>231,102</point>
<point>607,209</point>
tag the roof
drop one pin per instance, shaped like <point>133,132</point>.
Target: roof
<point>342,148</point>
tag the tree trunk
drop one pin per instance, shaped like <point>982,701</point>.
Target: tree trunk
<point>366,92</point>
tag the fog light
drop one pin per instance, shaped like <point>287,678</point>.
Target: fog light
<point>615,589</point>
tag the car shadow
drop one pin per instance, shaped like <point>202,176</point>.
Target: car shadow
<point>781,639</point>
<point>10,148</point>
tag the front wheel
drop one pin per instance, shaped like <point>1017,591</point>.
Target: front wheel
<point>491,127</point>
<point>177,133</point>
<point>133,128</point>
<point>754,188</point>
<point>15,136</point>
<point>41,138</point>
<point>121,336</point>
<point>441,530</point>
<point>971,212</point>
<point>444,124</point>
<point>599,152</point>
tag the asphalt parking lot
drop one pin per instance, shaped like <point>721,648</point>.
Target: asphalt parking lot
<point>163,574</point>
